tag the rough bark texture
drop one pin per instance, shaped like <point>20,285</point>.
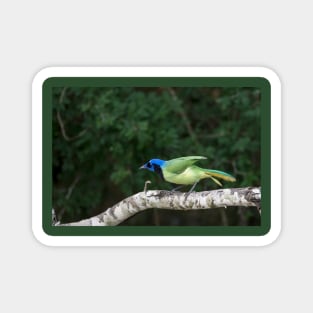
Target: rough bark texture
<point>250,196</point>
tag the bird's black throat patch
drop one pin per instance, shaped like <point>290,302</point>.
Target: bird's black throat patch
<point>158,170</point>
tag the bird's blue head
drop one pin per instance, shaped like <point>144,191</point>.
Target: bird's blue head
<point>153,165</point>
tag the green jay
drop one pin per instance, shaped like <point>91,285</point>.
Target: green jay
<point>182,171</point>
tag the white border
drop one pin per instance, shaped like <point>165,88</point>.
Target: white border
<point>153,240</point>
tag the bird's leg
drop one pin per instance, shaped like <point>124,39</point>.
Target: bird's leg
<point>191,190</point>
<point>177,188</point>
<point>193,187</point>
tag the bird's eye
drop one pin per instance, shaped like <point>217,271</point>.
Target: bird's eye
<point>149,164</point>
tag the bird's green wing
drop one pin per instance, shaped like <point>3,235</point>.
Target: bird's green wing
<point>180,164</point>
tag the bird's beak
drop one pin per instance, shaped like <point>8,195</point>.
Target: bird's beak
<point>142,167</point>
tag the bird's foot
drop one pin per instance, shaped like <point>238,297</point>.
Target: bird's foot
<point>187,195</point>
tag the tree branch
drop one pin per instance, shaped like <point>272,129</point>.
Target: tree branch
<point>63,131</point>
<point>61,123</point>
<point>161,199</point>
<point>184,116</point>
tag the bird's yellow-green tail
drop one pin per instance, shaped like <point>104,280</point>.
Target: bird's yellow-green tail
<point>213,174</point>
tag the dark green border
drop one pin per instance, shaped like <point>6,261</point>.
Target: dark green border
<point>257,82</point>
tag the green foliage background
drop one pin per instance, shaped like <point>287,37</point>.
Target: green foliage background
<point>101,136</point>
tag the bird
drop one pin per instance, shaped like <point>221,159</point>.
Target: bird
<point>182,171</point>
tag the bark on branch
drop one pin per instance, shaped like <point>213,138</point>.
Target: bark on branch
<point>249,196</point>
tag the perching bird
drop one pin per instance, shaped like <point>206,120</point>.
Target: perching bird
<point>181,171</point>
